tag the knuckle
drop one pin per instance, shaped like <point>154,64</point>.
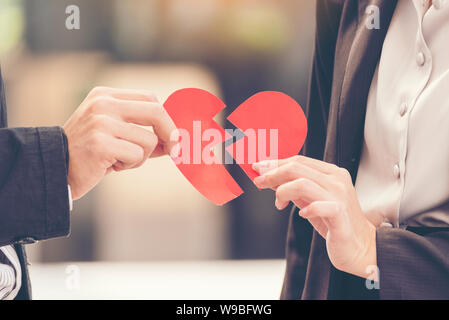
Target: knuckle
<point>344,173</point>
<point>96,140</point>
<point>269,178</point>
<point>100,90</point>
<point>96,105</point>
<point>312,208</point>
<point>296,166</point>
<point>139,154</point>
<point>152,141</point>
<point>280,192</point>
<point>339,186</point>
<point>290,170</point>
<point>302,184</point>
<point>155,110</point>
<point>159,111</point>
<point>150,96</point>
<point>100,104</point>
<point>100,121</point>
<point>339,208</point>
<point>148,147</point>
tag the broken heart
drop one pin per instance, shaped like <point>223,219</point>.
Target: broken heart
<point>267,112</point>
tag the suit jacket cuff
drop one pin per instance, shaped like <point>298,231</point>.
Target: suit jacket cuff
<point>54,151</point>
<point>389,262</point>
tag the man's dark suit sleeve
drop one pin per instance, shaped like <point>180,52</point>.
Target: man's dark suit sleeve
<point>34,203</point>
<point>317,109</point>
<point>33,184</point>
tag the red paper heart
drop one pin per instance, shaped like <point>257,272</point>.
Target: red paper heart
<point>193,110</point>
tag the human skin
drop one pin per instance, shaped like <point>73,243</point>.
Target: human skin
<point>327,198</point>
<point>105,134</point>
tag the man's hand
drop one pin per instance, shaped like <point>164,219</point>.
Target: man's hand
<point>104,135</point>
<point>327,198</point>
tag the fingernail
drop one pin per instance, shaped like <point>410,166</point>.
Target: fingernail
<point>175,135</point>
<point>256,166</point>
<point>265,166</point>
<point>265,170</point>
<point>261,164</point>
<point>277,204</point>
<point>175,151</point>
<point>303,212</point>
<point>259,180</point>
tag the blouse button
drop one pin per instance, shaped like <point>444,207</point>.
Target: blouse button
<point>386,224</point>
<point>421,59</point>
<point>396,171</point>
<point>403,109</point>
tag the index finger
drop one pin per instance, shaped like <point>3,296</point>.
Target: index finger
<point>149,114</point>
<point>269,165</point>
<point>124,94</point>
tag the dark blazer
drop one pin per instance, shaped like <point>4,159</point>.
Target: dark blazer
<point>34,201</point>
<point>413,263</point>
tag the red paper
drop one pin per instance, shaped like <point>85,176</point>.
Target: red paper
<point>193,110</point>
<point>212,180</point>
<point>270,110</point>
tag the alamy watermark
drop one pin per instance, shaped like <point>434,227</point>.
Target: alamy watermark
<point>200,146</point>
<point>373,17</point>
<point>73,20</point>
<point>372,280</point>
<point>73,277</point>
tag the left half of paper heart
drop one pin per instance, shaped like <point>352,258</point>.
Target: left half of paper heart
<point>192,111</point>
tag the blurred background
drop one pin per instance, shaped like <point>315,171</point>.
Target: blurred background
<point>153,216</point>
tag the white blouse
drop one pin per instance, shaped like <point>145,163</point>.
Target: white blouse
<point>404,168</point>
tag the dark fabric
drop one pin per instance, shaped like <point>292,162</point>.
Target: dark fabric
<point>346,55</point>
<point>5,260</point>
<point>33,186</point>
<point>413,266</point>
<point>355,289</point>
<point>25,292</point>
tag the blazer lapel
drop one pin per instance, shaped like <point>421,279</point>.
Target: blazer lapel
<point>362,61</point>
<point>3,120</point>
<point>357,53</point>
<point>361,64</point>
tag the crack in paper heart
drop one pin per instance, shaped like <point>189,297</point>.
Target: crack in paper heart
<point>267,112</point>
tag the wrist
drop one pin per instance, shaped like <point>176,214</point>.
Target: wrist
<point>367,268</point>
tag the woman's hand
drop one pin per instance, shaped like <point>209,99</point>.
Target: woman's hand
<point>327,198</point>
